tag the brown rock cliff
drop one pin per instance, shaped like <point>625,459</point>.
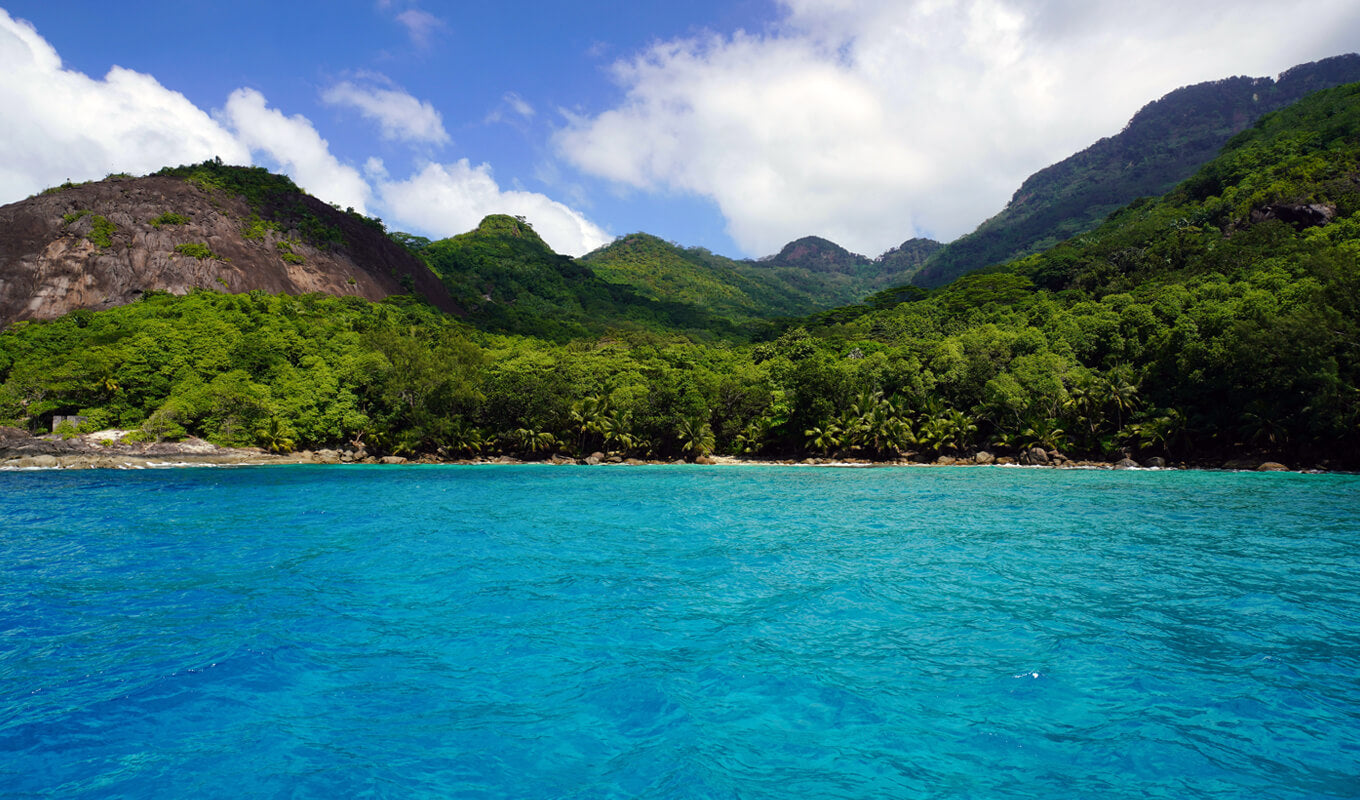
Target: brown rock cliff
<point>51,260</point>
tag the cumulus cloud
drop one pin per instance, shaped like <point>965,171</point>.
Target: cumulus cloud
<point>869,121</point>
<point>62,124</point>
<point>400,116</point>
<point>445,199</point>
<point>293,144</point>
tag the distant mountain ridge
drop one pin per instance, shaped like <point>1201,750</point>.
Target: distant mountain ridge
<point>661,271</point>
<point>807,275</point>
<point>1162,145</point>
<point>511,281</point>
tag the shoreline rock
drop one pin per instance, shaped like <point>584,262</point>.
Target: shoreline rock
<point>107,450</point>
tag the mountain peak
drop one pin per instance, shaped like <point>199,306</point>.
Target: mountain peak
<point>818,255</point>
<point>506,225</point>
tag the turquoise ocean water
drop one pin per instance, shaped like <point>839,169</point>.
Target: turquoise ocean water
<point>686,632</point>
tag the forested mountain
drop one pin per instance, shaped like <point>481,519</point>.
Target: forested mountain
<point>664,271</point>
<point>1161,146</point>
<point>1223,317</point>
<point>905,260</point>
<point>509,280</point>
<point>829,271</point>
<point>1218,321</point>
<point>806,276</point>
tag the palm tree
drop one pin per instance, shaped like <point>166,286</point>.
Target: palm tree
<point>532,442</point>
<point>615,426</point>
<point>696,437</point>
<point>1120,393</point>
<point>866,402</point>
<point>882,430</point>
<point>1006,439</point>
<point>586,414</point>
<point>957,430</point>
<point>463,439</point>
<point>1260,425</point>
<point>275,437</point>
<point>752,438</point>
<point>1084,410</point>
<point>1161,430</point>
<point>825,438</point>
<point>1044,432</point>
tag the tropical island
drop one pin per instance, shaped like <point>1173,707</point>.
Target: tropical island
<point>1213,325</point>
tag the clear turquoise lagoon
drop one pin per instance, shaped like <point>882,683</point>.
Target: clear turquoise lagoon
<point>679,632</point>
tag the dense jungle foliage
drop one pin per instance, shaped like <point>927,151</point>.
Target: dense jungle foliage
<point>1217,321</point>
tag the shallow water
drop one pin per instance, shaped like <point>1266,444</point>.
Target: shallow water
<point>540,632</point>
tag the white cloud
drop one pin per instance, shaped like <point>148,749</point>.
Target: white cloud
<point>400,116</point>
<point>61,124</point>
<point>519,105</point>
<point>420,25</point>
<point>869,121</point>
<point>513,109</point>
<point>446,199</point>
<point>293,144</point>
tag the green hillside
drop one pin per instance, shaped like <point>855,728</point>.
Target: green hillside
<point>1162,145</point>
<point>807,275</point>
<point>663,271</point>
<point>1227,311</point>
<point>509,280</point>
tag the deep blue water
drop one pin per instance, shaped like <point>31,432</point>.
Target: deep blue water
<point>688,632</point>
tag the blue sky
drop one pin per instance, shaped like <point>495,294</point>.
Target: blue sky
<point>736,126</point>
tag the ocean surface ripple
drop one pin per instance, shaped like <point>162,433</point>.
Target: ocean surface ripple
<point>679,632</point>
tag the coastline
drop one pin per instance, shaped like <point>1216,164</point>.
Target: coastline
<point>20,450</point>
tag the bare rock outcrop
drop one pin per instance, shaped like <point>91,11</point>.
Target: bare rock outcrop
<point>107,243</point>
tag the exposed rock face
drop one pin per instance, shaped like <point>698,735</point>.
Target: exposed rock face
<point>818,255</point>
<point>1034,455</point>
<point>1300,215</point>
<point>20,449</point>
<point>1126,463</point>
<point>50,263</point>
